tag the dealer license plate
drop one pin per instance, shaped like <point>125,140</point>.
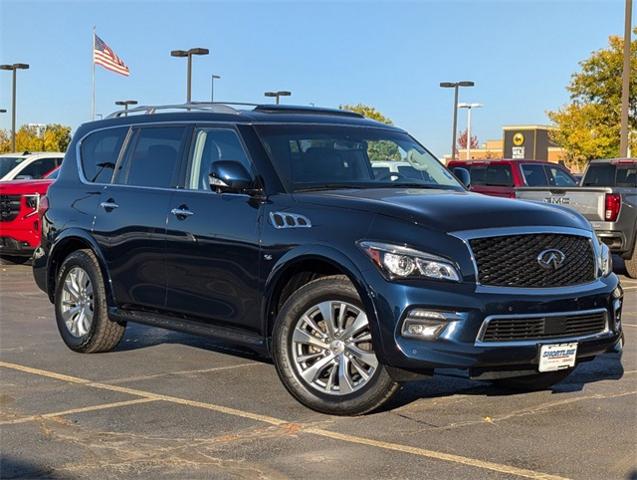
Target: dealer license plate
<point>557,356</point>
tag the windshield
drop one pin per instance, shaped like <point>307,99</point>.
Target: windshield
<point>309,157</point>
<point>8,163</point>
<point>610,175</point>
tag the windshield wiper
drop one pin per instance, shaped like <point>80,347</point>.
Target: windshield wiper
<point>414,185</point>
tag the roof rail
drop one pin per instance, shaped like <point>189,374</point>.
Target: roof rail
<point>303,109</point>
<point>228,107</point>
<point>215,107</point>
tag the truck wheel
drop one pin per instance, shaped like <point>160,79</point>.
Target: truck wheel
<point>80,306</point>
<point>530,383</point>
<point>323,351</point>
<point>631,263</point>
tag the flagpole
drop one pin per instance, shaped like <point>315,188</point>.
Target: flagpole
<point>93,63</point>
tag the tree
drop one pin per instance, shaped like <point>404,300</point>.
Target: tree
<point>52,138</point>
<point>367,112</point>
<point>381,150</point>
<point>588,127</point>
<point>462,140</point>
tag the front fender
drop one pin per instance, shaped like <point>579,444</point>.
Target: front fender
<point>337,259</point>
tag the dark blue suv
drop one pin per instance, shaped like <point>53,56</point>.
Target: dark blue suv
<point>337,245</point>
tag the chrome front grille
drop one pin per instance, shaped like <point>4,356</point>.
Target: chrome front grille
<point>9,207</point>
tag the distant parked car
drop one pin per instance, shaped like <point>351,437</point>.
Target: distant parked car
<point>19,221</point>
<point>501,178</point>
<point>608,199</point>
<point>28,166</point>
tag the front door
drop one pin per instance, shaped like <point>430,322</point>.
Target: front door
<point>213,240</point>
<point>130,224</point>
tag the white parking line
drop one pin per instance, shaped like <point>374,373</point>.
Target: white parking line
<point>179,372</point>
<point>396,447</point>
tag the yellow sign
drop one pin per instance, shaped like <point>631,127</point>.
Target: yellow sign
<point>518,139</point>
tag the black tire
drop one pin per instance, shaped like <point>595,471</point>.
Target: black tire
<point>379,388</point>
<point>631,263</point>
<point>103,334</point>
<point>530,383</point>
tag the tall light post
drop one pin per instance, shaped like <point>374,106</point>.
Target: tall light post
<point>14,68</point>
<point>469,107</point>
<point>188,54</point>
<point>212,86</point>
<point>623,136</point>
<point>278,94</point>
<point>455,86</point>
<point>125,104</point>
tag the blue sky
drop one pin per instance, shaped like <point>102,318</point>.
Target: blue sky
<point>391,55</point>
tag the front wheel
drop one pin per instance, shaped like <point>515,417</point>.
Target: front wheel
<point>322,348</point>
<point>539,381</point>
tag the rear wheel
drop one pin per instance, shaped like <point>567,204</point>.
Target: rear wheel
<point>631,263</point>
<point>322,346</point>
<point>80,306</point>
<point>540,381</point>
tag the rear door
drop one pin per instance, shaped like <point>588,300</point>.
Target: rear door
<point>130,224</point>
<point>213,239</point>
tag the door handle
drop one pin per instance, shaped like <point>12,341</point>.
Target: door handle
<point>109,205</point>
<point>181,212</point>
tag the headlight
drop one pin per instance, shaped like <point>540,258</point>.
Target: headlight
<point>397,261</point>
<point>604,260</point>
<point>32,201</point>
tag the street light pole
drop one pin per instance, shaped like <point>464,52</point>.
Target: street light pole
<point>278,94</point>
<point>188,54</point>
<point>125,104</point>
<point>14,68</point>
<point>456,86</point>
<point>212,87</point>
<point>469,107</point>
<point>623,135</point>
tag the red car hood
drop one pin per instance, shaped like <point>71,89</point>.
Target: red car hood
<point>22,187</point>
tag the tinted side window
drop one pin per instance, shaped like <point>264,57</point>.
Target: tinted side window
<point>600,175</point>
<point>213,145</point>
<point>534,175</point>
<point>99,154</point>
<point>478,175</point>
<point>499,176</point>
<point>627,176</point>
<point>153,157</point>
<point>38,169</point>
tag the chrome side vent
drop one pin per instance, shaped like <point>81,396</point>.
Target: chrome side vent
<point>289,220</point>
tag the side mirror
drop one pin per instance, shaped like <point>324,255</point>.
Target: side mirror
<point>463,175</point>
<point>229,176</point>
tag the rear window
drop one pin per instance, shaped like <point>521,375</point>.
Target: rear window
<point>491,175</point>
<point>99,153</point>
<point>609,175</point>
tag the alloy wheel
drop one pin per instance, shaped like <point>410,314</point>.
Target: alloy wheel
<point>77,306</point>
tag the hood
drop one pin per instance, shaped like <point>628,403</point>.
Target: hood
<point>24,187</point>
<point>448,210</point>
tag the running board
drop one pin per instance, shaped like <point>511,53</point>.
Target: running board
<point>232,335</point>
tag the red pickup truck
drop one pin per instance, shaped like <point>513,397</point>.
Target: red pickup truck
<point>500,178</point>
<point>19,220</point>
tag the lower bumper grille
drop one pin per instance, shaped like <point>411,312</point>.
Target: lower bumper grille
<point>511,329</point>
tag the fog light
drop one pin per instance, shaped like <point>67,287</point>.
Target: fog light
<point>424,324</point>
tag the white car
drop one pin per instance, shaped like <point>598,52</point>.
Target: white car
<point>398,169</point>
<point>28,166</point>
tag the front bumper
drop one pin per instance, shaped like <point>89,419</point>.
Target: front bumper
<point>459,347</point>
<point>20,236</point>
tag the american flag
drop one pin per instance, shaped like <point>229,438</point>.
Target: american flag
<point>104,56</point>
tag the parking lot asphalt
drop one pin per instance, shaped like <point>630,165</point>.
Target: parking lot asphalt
<point>172,405</point>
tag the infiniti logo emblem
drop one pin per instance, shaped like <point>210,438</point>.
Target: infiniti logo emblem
<point>551,259</point>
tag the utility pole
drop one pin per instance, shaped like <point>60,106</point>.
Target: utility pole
<point>455,86</point>
<point>469,107</point>
<point>14,68</point>
<point>278,94</point>
<point>623,139</point>
<point>212,87</point>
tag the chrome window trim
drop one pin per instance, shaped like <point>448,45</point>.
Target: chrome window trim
<point>541,341</point>
<point>466,235</point>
